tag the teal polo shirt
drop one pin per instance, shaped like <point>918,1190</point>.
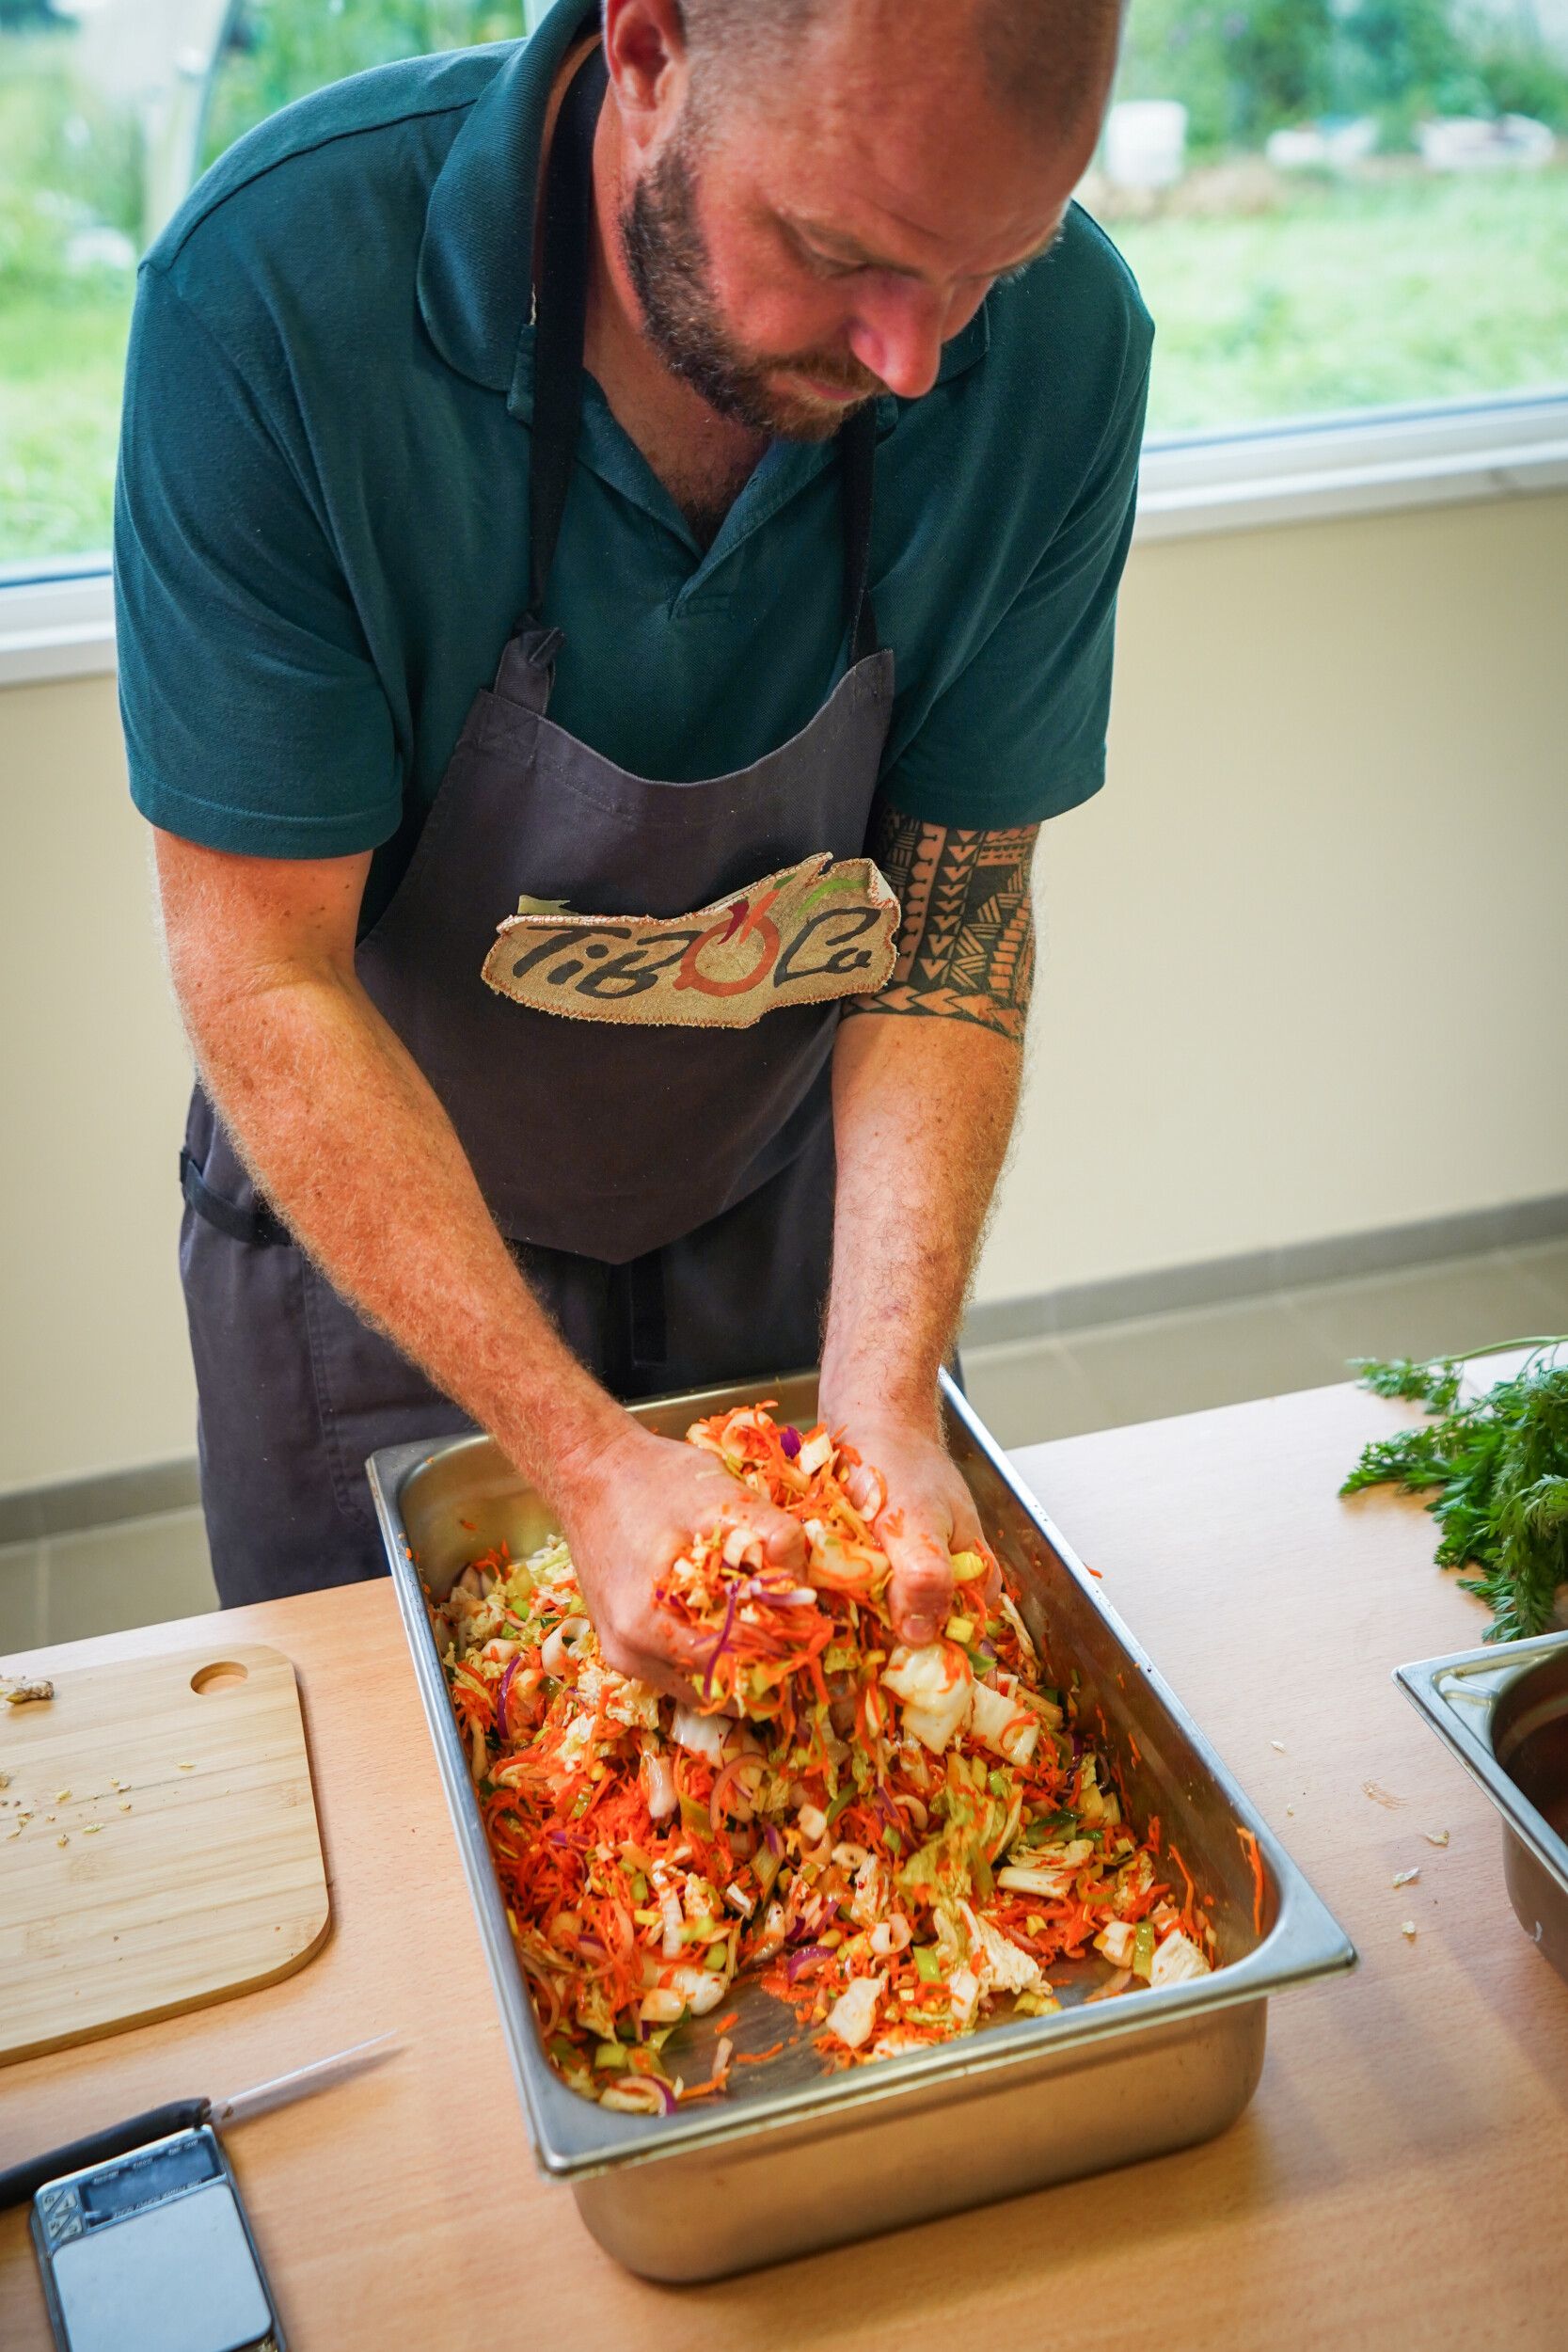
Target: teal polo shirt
<point>321,521</point>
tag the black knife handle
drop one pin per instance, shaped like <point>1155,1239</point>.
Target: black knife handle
<point>24,2181</point>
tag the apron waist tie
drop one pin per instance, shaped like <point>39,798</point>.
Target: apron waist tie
<point>257,1226</point>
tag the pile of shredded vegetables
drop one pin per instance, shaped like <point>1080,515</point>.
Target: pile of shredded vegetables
<point>894,1841</point>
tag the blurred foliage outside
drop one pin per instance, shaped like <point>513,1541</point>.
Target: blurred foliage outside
<point>281,50</point>
<point>1244,71</point>
<point>1275,294</point>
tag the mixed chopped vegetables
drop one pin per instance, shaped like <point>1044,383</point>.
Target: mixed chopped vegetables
<point>895,1841</point>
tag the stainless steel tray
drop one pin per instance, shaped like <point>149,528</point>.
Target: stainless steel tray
<point>1503,1711</point>
<point>797,2159</point>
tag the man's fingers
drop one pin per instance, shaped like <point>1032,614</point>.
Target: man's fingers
<point>784,1546</point>
<point>660,1652</point>
<point>865,1490</point>
<point>921,1587</point>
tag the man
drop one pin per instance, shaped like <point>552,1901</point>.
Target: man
<point>765,370</point>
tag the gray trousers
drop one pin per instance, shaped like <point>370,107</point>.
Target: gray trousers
<point>296,1390</point>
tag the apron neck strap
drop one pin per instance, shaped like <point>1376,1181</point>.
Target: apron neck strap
<point>856,452</point>
<point>560,310</point>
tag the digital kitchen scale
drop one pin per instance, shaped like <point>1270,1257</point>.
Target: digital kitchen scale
<point>151,2253</point>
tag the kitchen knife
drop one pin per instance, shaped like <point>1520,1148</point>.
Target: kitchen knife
<point>25,2180</point>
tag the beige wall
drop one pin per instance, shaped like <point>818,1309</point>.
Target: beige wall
<point>1306,958</point>
<point>93,1076</point>
<point>1306,964</point>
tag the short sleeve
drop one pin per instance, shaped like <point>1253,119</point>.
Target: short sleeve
<point>1020,735</point>
<point>254,717</point>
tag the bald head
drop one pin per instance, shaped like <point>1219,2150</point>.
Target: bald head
<point>814,196</point>
<point>1050,61</point>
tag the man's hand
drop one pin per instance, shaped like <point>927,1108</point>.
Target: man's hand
<point>927,1513</point>
<point>629,1511</point>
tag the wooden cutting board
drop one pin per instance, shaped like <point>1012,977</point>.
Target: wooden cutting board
<point>158,1843</point>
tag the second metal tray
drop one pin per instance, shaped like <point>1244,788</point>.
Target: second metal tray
<point>1503,1712</point>
<point>796,2157</point>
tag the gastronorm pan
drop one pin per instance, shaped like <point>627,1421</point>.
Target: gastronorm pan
<point>1504,1712</point>
<point>798,2158</point>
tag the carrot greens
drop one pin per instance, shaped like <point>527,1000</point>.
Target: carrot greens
<point>1497,1472</point>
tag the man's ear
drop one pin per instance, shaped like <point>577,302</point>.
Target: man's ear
<point>645,50</point>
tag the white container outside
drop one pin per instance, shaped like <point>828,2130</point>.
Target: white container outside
<point>1333,144</point>
<point>1145,143</point>
<point>1472,143</point>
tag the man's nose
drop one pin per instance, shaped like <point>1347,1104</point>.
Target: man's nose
<point>898,333</point>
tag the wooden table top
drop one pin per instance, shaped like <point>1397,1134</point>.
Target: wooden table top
<point>1395,2180</point>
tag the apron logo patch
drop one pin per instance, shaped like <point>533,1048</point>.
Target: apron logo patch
<point>813,931</point>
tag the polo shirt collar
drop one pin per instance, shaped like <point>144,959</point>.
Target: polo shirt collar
<point>475,267</point>
<point>475,270</point>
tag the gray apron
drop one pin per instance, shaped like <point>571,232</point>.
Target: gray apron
<point>667,1189</point>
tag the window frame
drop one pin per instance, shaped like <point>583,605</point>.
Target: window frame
<point>56,614</point>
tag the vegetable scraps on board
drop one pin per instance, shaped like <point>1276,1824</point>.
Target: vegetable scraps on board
<point>895,1841</point>
<point>1500,1468</point>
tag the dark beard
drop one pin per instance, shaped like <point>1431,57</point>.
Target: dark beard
<point>667,261</point>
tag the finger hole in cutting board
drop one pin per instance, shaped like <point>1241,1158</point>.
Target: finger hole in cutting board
<point>225,1674</point>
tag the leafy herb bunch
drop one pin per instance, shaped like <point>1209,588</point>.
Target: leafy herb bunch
<point>1500,1468</point>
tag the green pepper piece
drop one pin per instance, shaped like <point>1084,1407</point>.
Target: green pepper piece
<point>716,1957</point>
<point>611,2057</point>
<point>997,1784</point>
<point>638,1890</point>
<point>843,1798</point>
<point>1143,1949</point>
<point>927,1966</point>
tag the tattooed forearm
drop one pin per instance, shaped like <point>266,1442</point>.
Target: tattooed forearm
<point>966,936</point>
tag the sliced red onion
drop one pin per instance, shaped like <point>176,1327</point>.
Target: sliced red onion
<point>811,1956</point>
<point>720,1645</point>
<point>662,2090</point>
<point>891,1814</point>
<point>771,1839</point>
<point>782,1595</point>
<point>501,1696</point>
<point>729,1778</point>
<point>789,1438</point>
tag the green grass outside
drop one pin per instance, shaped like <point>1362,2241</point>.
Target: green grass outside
<point>1341,298</point>
<point>1353,297</point>
<point>61,361</point>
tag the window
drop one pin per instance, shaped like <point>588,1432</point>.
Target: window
<point>1332,205</point>
<point>1341,204</point>
<point>109,110</point>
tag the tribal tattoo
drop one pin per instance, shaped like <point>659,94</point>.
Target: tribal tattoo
<point>966,938</point>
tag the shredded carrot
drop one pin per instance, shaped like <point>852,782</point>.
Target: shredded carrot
<point>1249,1847</point>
